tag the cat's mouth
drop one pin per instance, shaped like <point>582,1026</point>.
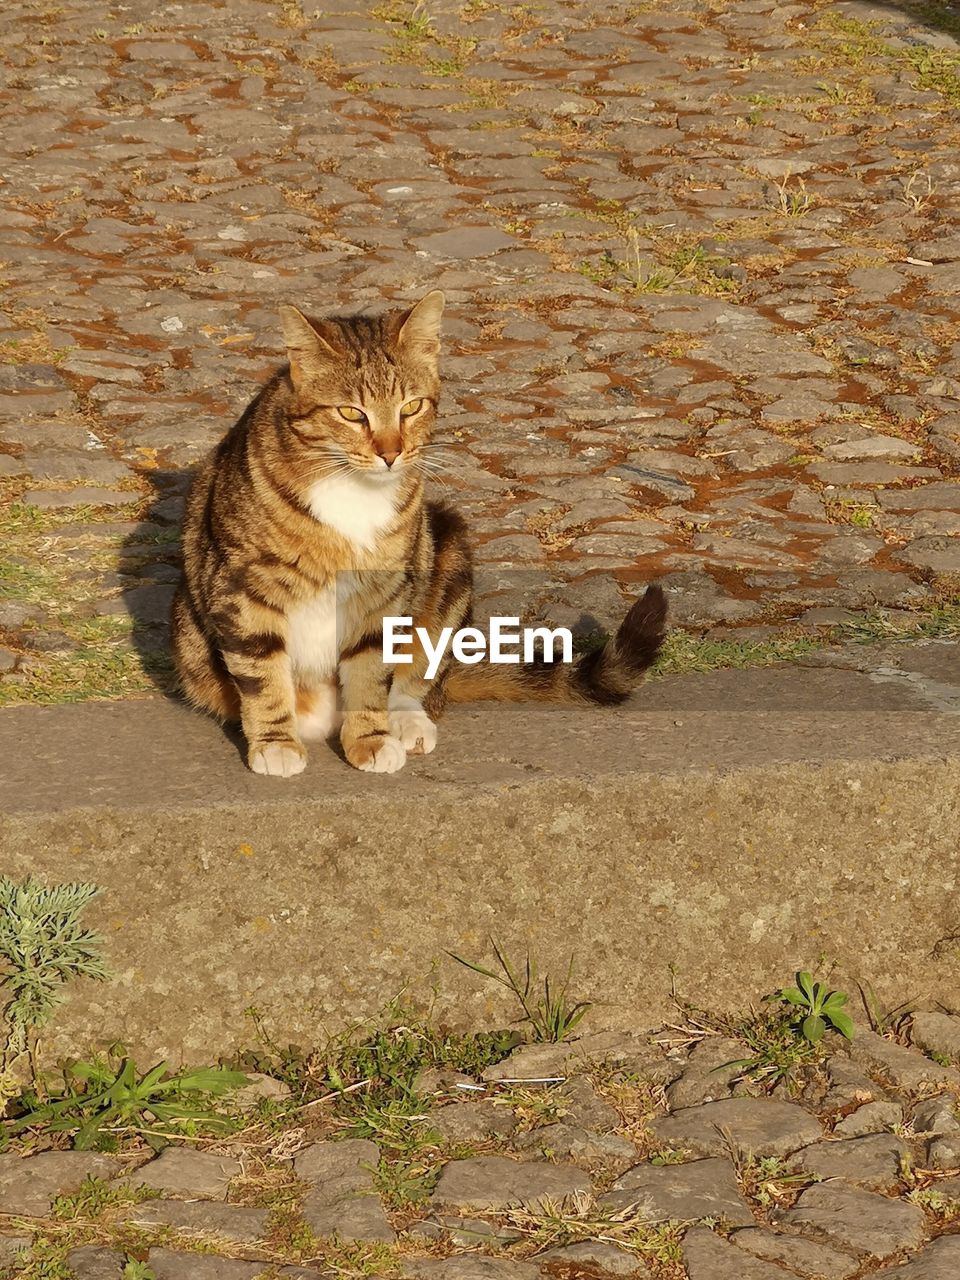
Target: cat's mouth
<point>379,471</point>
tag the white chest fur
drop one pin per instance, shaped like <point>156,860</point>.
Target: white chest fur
<point>312,635</point>
<point>358,507</point>
<point>315,628</point>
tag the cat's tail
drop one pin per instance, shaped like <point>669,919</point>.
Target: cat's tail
<point>606,676</point>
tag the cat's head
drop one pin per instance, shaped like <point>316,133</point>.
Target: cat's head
<point>365,387</point>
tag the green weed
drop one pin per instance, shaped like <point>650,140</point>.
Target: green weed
<point>391,1116</point>
<point>785,1037</point>
<point>882,1019</point>
<point>134,1270</point>
<point>940,1207</point>
<point>765,1179</point>
<point>684,652</point>
<point>93,1196</point>
<point>402,1183</point>
<point>817,1008</point>
<point>43,945</point>
<point>385,1057</point>
<point>683,265</point>
<point>550,1015</point>
<point>533,1108</point>
<point>777,1054</point>
<point>347,1261</point>
<point>669,1155</point>
<point>101,1102</point>
<point>793,201</point>
<point>862,44</point>
<point>850,511</point>
<point>287,1230</point>
<point>44,1260</point>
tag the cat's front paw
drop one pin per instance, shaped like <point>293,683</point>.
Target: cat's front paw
<point>414,729</point>
<point>377,753</point>
<point>277,759</point>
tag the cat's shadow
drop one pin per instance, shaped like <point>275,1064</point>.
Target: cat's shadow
<point>151,559</point>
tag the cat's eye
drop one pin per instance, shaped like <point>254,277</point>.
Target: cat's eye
<point>410,408</point>
<point>350,413</point>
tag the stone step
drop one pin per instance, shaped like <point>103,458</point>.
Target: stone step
<point>731,826</point>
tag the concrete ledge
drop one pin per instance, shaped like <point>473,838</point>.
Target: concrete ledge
<point>732,826</point>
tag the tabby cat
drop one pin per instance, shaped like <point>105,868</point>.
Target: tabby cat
<point>308,524</point>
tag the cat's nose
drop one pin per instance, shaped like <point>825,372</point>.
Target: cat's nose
<point>390,457</point>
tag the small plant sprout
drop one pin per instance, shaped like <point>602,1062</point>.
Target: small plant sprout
<point>135,1270</point>
<point>766,1180</point>
<point>883,1020</point>
<point>817,1008</point>
<point>92,1197</point>
<point>917,190</point>
<point>42,946</point>
<point>835,92</point>
<point>793,202</point>
<point>550,1016</point>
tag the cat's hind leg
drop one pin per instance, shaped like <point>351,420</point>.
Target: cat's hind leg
<point>203,677</point>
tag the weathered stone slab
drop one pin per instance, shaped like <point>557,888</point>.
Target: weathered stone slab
<point>709,1257</point>
<point>609,1258</point>
<point>698,1189</point>
<point>29,1186</point>
<point>187,1174</point>
<point>871,1225</point>
<point>355,1216</point>
<point>807,1257</point>
<point>904,1068</point>
<point>343,1202</point>
<point>94,1263</point>
<point>469,1267</point>
<point>336,1168</point>
<point>759,1126</point>
<point>495,1182</point>
<point>936,1032</point>
<point>872,1117</point>
<point>199,1217</point>
<point>939,1260</point>
<point>570,1141</point>
<point>797,759</point>
<point>166,1264</point>
<point>473,1122</point>
<point>874,1161</point>
<point>709,1072</point>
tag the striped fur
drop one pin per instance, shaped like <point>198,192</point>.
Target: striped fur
<point>306,526</point>
<point>607,676</point>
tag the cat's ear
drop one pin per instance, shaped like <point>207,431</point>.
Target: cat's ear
<point>420,327</point>
<point>307,349</point>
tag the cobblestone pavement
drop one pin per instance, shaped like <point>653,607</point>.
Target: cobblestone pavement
<point>702,258</point>
<point>615,1154</point>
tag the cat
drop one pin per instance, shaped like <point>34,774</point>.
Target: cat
<point>308,524</point>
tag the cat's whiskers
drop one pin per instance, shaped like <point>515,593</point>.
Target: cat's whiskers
<point>435,465</point>
<point>331,463</point>
<point>434,470</point>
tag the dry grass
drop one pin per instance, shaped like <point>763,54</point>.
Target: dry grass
<point>579,1218</point>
